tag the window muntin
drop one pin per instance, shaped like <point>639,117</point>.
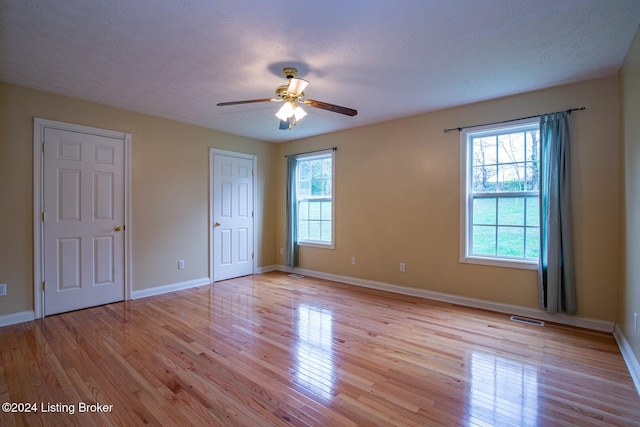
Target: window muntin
<point>501,208</point>
<point>314,199</point>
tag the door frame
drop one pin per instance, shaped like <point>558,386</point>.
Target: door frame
<point>39,126</point>
<point>254,174</point>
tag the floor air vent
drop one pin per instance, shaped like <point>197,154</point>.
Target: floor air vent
<point>297,276</point>
<point>527,321</point>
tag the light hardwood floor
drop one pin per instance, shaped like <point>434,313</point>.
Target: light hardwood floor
<point>274,350</point>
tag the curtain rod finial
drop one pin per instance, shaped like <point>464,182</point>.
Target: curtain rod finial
<point>449,130</point>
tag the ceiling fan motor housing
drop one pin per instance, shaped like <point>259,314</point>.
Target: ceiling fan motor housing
<point>290,72</point>
<point>283,93</point>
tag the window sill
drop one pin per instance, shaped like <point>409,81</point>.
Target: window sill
<point>495,262</point>
<point>317,245</point>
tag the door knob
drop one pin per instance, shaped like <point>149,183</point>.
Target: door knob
<point>217,224</point>
<point>116,228</point>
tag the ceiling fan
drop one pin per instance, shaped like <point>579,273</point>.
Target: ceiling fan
<point>292,94</point>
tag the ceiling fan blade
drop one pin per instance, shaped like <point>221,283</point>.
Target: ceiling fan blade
<point>330,107</point>
<point>249,101</point>
<point>297,86</point>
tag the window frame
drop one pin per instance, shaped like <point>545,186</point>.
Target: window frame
<point>330,153</point>
<point>466,196</point>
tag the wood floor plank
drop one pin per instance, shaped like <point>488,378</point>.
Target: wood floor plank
<point>275,350</point>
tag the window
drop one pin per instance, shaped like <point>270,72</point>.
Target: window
<point>500,199</point>
<point>314,199</point>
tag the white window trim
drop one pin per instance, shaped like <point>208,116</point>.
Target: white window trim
<point>315,243</point>
<point>465,184</point>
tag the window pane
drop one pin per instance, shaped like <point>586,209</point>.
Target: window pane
<point>533,242</point>
<point>303,210</point>
<point>533,211</point>
<point>326,187</point>
<point>484,151</point>
<point>314,230</point>
<point>326,210</point>
<point>326,231</point>
<point>484,240</point>
<point>316,169</point>
<point>511,148</point>
<point>484,179</point>
<point>326,167</point>
<point>533,177</point>
<point>511,241</point>
<point>303,170</point>
<point>511,211</point>
<point>511,177</point>
<point>314,209</point>
<point>484,211</point>
<point>316,187</point>
<point>533,144</point>
<point>304,188</point>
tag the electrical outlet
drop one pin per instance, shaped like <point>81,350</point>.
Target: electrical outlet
<point>353,260</point>
<point>635,322</point>
<point>181,264</point>
<point>3,289</point>
<point>403,267</point>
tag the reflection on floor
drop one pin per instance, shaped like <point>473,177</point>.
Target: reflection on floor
<point>314,350</point>
<point>503,391</point>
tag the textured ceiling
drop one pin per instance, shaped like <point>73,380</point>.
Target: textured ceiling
<point>387,59</point>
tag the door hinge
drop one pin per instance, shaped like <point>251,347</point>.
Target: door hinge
<point>252,172</point>
<point>251,255</point>
<point>44,286</point>
<point>43,149</point>
<point>251,214</point>
<point>44,216</point>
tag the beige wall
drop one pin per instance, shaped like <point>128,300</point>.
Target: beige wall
<point>629,300</point>
<point>169,190</point>
<point>398,196</point>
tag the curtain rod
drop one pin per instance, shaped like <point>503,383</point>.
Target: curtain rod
<point>309,152</point>
<point>512,120</point>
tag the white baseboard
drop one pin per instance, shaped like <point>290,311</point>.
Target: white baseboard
<point>266,269</point>
<point>19,317</point>
<point>172,287</point>
<point>582,322</point>
<point>630,359</point>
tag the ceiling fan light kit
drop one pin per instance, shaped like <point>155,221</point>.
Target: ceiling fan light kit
<point>290,94</point>
<point>285,111</point>
<point>296,86</point>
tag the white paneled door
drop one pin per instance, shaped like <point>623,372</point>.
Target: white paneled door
<point>83,230</point>
<point>232,211</point>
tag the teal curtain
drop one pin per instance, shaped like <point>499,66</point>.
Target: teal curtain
<point>556,277</point>
<point>291,250</point>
